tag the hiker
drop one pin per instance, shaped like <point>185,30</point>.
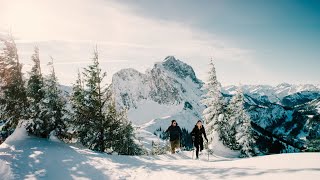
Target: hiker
<point>197,139</point>
<point>175,135</point>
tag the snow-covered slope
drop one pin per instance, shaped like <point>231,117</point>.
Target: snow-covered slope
<point>23,157</point>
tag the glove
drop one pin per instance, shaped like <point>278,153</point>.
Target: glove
<point>193,138</point>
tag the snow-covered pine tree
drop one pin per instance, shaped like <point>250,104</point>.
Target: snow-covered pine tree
<point>130,145</point>
<point>122,137</point>
<point>244,137</point>
<point>214,112</point>
<point>13,98</point>
<point>313,145</point>
<point>240,130</point>
<point>35,89</point>
<point>56,103</point>
<point>114,132</point>
<point>51,116</point>
<point>186,139</point>
<point>98,124</point>
<point>234,111</point>
<point>94,126</point>
<point>79,111</point>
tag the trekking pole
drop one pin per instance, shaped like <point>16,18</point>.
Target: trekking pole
<point>193,149</point>
<point>208,149</point>
<point>180,145</point>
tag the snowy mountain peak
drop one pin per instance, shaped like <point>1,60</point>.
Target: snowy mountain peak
<point>127,74</point>
<point>181,69</point>
<point>283,85</point>
<point>170,58</point>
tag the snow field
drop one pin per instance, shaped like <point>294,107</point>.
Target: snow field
<point>25,157</point>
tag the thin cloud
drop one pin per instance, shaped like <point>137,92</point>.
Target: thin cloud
<point>124,38</point>
<point>89,62</point>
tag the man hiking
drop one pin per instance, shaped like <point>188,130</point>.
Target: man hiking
<point>197,139</point>
<point>175,135</point>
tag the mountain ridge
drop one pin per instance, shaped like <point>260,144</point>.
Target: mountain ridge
<point>171,90</point>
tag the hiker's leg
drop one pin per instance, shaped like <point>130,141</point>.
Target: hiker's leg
<point>197,150</point>
<point>201,146</point>
<point>178,144</point>
<point>172,147</point>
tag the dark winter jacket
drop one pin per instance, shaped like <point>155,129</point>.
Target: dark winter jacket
<point>196,133</point>
<point>174,132</point>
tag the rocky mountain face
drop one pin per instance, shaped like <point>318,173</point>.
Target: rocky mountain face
<point>285,114</point>
<point>168,82</point>
<point>300,98</point>
<point>169,88</point>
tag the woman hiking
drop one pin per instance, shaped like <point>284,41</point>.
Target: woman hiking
<point>197,139</point>
<point>175,135</point>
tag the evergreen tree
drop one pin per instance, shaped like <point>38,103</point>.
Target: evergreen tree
<point>13,99</point>
<point>214,112</point>
<point>95,125</point>
<point>121,135</point>
<point>35,87</point>
<point>186,139</point>
<point>244,136</point>
<point>234,113</point>
<point>240,130</point>
<point>313,145</point>
<point>129,145</point>
<point>79,112</point>
<point>51,115</point>
<point>98,124</point>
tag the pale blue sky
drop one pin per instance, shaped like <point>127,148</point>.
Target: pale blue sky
<point>252,41</point>
<point>284,34</point>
